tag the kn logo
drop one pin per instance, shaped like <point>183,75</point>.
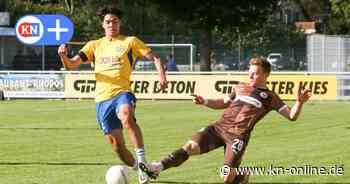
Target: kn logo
<point>29,29</point>
<point>44,29</point>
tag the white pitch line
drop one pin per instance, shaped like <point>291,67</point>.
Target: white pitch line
<point>92,106</point>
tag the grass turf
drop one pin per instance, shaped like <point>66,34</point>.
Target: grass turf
<point>56,141</point>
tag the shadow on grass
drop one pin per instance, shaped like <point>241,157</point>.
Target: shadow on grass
<point>55,163</point>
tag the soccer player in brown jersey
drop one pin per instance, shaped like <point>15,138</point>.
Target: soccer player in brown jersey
<point>248,103</point>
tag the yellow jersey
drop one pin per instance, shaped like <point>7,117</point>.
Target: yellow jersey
<point>114,60</point>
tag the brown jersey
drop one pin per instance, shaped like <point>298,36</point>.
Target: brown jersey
<point>248,105</point>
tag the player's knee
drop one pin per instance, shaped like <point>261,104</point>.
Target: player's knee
<point>124,114</point>
<point>192,148</point>
<point>126,117</point>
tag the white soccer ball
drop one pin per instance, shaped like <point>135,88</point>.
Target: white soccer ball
<point>118,174</point>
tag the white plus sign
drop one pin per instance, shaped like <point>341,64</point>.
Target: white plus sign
<point>57,29</point>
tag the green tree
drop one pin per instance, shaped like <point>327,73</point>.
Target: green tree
<point>314,9</point>
<point>270,37</point>
<point>318,11</point>
<point>339,22</point>
<point>19,8</point>
<point>205,16</point>
<point>332,16</point>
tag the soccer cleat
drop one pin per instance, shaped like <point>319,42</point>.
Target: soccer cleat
<point>143,177</point>
<point>146,168</point>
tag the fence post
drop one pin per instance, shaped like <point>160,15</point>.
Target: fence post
<point>2,97</point>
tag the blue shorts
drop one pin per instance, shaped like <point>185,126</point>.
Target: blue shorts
<point>106,111</point>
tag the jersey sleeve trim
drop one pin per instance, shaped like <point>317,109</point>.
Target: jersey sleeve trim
<point>130,57</point>
<point>83,56</point>
<point>282,108</point>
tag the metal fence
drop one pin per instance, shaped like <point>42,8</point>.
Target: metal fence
<point>343,86</point>
<point>327,53</point>
<point>17,56</point>
<point>323,54</point>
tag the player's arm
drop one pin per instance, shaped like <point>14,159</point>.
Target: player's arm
<point>68,63</point>
<point>293,113</point>
<point>211,103</point>
<point>160,68</point>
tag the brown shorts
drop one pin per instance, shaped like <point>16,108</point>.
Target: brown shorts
<point>209,139</point>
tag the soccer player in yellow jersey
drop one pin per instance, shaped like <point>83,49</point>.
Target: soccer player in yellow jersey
<point>114,56</point>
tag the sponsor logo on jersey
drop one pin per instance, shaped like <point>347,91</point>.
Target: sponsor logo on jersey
<point>120,49</point>
<point>263,95</point>
<point>250,100</point>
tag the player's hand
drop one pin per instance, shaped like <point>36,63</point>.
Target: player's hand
<point>304,95</point>
<point>163,83</point>
<point>198,99</point>
<point>62,50</point>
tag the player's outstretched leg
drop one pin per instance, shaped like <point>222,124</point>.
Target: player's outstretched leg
<point>174,159</point>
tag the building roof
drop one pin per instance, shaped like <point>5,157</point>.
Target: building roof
<point>306,27</point>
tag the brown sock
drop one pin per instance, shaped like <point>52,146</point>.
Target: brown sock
<point>175,159</point>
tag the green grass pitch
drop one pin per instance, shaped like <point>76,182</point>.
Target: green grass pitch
<point>59,142</point>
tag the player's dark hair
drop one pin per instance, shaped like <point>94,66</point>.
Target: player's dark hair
<point>103,11</point>
<point>261,61</point>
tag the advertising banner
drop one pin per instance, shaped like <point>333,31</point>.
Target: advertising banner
<point>323,87</point>
<point>80,86</point>
<point>210,86</point>
<point>32,85</point>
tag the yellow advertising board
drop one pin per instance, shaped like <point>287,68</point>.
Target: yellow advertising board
<point>182,86</point>
<point>79,86</point>
<point>210,86</point>
<point>323,87</point>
